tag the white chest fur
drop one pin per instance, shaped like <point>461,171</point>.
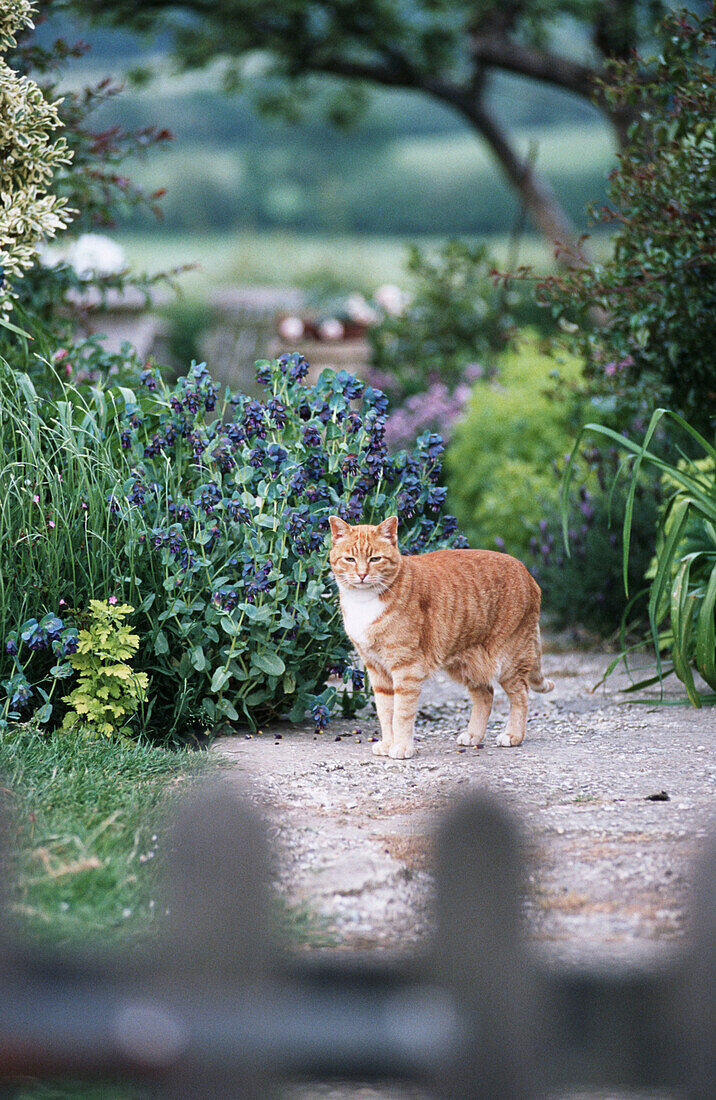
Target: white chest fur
<point>360,610</point>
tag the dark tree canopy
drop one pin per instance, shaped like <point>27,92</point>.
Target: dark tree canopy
<point>445,48</point>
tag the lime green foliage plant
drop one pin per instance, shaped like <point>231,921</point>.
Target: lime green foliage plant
<point>109,690</point>
<point>682,589</point>
<point>501,458</point>
<point>29,158</point>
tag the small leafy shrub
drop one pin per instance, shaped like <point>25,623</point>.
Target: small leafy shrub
<point>38,660</point>
<point>109,691</point>
<point>682,589</point>
<point>658,290</point>
<point>453,323</point>
<point>501,471</point>
<point>81,176</point>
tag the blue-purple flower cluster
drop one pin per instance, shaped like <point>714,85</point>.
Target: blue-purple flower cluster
<point>38,653</point>
<point>235,498</point>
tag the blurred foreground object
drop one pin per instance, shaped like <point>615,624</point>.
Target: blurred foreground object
<point>219,1009</point>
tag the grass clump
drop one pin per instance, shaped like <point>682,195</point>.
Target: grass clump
<point>85,818</point>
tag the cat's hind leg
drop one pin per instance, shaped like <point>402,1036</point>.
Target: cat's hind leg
<point>536,676</point>
<point>382,683</point>
<point>482,697</point>
<point>517,691</point>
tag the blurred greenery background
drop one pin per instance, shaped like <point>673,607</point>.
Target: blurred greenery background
<point>252,198</point>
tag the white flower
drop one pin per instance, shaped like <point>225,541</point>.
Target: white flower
<point>392,299</point>
<point>360,311</point>
<point>94,254</point>
<point>290,328</point>
<point>331,329</point>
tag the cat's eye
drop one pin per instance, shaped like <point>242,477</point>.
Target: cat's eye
<point>347,558</point>
<point>377,557</point>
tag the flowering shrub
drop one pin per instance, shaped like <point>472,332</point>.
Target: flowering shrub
<point>434,410</point>
<point>240,617</point>
<point>109,691</point>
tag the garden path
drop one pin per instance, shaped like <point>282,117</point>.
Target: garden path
<point>610,868</point>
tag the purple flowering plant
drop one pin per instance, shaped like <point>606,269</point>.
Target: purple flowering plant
<point>237,614</point>
<point>37,660</point>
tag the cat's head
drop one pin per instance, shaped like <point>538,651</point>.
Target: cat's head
<point>365,557</point>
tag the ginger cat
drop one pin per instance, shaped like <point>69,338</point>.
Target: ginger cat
<point>473,613</point>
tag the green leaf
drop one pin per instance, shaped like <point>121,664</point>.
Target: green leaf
<point>228,709</point>
<point>268,662</point>
<point>220,677</point>
<point>705,634</point>
<point>161,645</point>
<point>229,626</point>
<point>198,658</point>
<point>147,602</point>
<point>682,619</point>
<point>60,671</point>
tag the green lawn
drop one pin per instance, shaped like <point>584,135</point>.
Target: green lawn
<point>283,258</point>
<point>86,822</point>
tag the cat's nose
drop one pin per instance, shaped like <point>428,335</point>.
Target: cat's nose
<point>362,576</point>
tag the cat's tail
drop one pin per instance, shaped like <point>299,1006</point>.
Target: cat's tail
<point>537,679</point>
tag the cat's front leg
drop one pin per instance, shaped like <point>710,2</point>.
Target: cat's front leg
<point>407,682</point>
<point>382,684</point>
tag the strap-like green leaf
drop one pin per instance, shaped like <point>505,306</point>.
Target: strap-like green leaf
<point>706,634</point>
<point>682,621</point>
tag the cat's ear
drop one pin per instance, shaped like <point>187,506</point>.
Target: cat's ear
<point>388,529</point>
<point>339,528</point>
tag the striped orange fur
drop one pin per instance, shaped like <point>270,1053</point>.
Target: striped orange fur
<point>473,613</point>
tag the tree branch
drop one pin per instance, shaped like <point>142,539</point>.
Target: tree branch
<point>538,197</point>
<point>540,200</point>
<point>514,57</point>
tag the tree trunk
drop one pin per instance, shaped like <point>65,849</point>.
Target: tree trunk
<point>539,199</point>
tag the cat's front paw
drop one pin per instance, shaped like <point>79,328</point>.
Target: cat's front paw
<point>401,752</point>
<point>509,741</point>
<point>466,738</point>
<point>382,748</point>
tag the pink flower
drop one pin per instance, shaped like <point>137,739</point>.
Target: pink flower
<point>35,498</point>
<point>61,353</point>
<point>112,599</point>
<point>63,603</point>
<point>51,523</point>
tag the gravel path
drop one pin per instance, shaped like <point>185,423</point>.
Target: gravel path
<point>610,868</point>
